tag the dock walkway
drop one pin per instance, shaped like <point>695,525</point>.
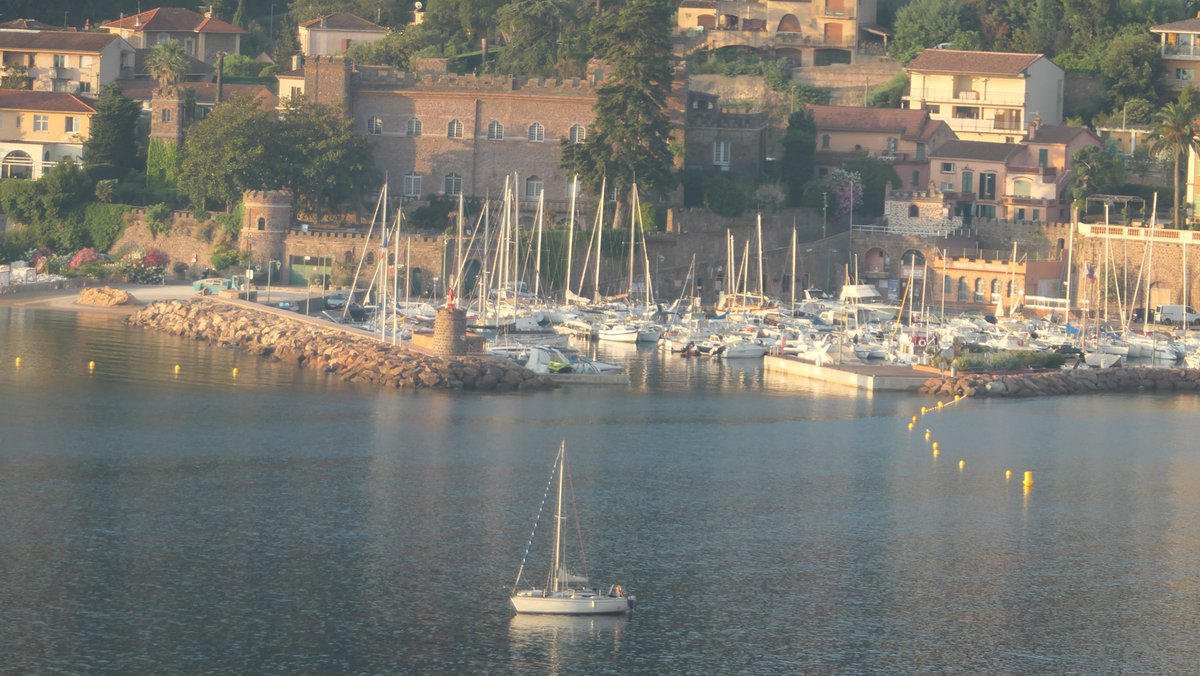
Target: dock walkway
<point>866,377</point>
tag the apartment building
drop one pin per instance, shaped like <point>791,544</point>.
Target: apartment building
<point>66,61</point>
<point>38,129</point>
<point>986,96</point>
<point>1180,48</point>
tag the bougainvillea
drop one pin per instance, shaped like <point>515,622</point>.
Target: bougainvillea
<point>83,257</point>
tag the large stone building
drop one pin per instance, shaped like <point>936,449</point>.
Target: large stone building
<point>724,140</point>
<point>435,132</point>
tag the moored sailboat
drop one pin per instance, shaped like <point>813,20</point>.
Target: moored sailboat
<point>565,593</point>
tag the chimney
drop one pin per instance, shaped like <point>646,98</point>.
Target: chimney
<point>209,12</point>
<point>137,21</point>
<point>1033,126</point>
<point>322,22</point>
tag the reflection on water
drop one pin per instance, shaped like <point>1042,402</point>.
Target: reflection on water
<point>552,644</point>
<point>284,522</point>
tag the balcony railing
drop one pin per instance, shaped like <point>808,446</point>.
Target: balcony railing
<point>986,126</point>
<point>1045,172</point>
<point>1181,51</point>
<point>939,95</point>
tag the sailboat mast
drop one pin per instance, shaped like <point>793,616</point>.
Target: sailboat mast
<point>571,237</point>
<point>383,271</point>
<point>632,238</point>
<point>537,263</point>
<point>761,291</point>
<point>458,251</point>
<point>396,279</point>
<point>793,275</point>
<point>558,518</point>
<point>1150,263</point>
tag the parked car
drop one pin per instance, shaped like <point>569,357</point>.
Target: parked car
<point>337,299</point>
<point>288,305</point>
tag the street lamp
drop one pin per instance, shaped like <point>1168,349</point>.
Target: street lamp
<point>824,212</point>
<point>307,284</point>
<point>271,264</point>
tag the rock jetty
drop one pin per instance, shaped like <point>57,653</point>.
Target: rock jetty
<point>1071,381</point>
<point>351,358</point>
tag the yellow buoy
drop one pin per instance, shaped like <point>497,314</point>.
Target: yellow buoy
<point>18,361</point>
<point>935,445</point>
<point>957,397</point>
<point>962,464</point>
<point>235,372</point>
<point>1007,474</point>
<point>177,368</point>
<point>924,410</point>
<point>916,418</point>
<point>941,404</point>
<point>928,434</point>
<point>1028,479</point>
<point>910,426</point>
<point>91,365</point>
<point>935,451</point>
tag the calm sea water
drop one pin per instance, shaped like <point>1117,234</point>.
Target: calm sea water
<point>283,522</point>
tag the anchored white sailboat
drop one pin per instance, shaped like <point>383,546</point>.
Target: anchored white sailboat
<point>565,593</point>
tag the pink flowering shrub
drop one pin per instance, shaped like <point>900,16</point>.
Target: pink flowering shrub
<point>83,257</point>
<point>156,257</point>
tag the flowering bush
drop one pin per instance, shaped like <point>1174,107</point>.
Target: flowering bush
<point>138,271</point>
<point>83,257</point>
<point>33,256</point>
<point>156,257</point>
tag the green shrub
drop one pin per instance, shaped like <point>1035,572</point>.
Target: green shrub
<point>1015,360</point>
<point>104,224</point>
<point>158,219</point>
<point>224,257</point>
<point>231,221</point>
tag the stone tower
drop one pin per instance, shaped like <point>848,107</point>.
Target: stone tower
<point>167,116</point>
<point>327,80</point>
<point>267,215</point>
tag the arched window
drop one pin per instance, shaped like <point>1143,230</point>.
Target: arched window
<point>374,125</point>
<point>370,258</point>
<point>262,223</point>
<point>453,184</point>
<point>978,290</point>
<point>414,127</point>
<point>537,133</point>
<point>824,141</point>
<point>995,290</point>
<point>964,294</point>
<point>1008,289</point>
<point>454,129</point>
<point>578,133</point>
<point>166,115</point>
<point>495,131</point>
<point>533,187</point>
<point>914,210</point>
<point>947,285</point>
<point>412,185</point>
<point>348,257</point>
<point>1022,187</point>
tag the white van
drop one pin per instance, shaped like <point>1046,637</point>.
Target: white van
<point>1176,315</point>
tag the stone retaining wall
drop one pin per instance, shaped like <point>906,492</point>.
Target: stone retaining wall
<point>1071,381</point>
<point>349,357</point>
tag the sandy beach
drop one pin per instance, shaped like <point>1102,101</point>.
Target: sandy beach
<point>64,299</point>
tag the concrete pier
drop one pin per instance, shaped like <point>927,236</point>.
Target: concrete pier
<point>866,377</point>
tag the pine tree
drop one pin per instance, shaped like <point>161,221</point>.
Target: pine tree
<point>113,137</point>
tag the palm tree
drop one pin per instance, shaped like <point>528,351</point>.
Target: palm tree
<point>166,62</point>
<point>1174,135</point>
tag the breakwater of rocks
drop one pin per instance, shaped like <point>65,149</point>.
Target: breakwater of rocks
<point>351,358</point>
<point>1071,381</point>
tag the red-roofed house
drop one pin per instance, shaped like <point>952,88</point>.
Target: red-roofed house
<point>902,137</point>
<point>986,96</point>
<point>38,129</point>
<point>202,35</point>
<point>334,33</point>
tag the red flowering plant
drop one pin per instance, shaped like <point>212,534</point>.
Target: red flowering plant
<point>83,257</point>
<point>156,257</point>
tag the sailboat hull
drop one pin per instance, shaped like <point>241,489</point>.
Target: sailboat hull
<point>571,603</point>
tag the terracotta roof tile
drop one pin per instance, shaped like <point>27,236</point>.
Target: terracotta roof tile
<point>977,150</point>
<point>58,102</point>
<point>66,41</point>
<point>1186,26</point>
<point>343,21</point>
<point>984,63</point>
<point>172,19</point>
<point>913,125</point>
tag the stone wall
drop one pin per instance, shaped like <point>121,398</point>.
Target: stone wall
<point>349,357</point>
<point>187,239</point>
<point>849,84</point>
<point>931,213</point>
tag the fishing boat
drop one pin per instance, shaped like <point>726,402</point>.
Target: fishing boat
<point>565,593</point>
